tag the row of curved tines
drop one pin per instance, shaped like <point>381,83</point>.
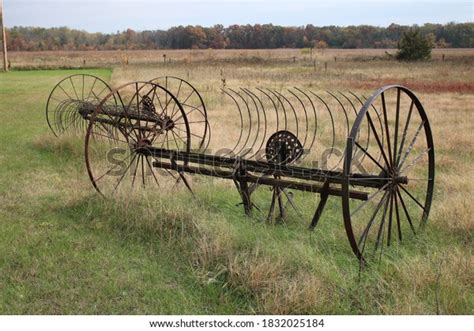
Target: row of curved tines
<point>263,111</point>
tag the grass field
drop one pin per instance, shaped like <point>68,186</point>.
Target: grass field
<point>65,250</point>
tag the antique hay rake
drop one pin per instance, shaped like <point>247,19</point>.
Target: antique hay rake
<point>375,153</point>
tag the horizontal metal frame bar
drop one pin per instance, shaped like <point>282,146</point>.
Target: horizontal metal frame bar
<point>262,167</point>
<point>262,180</point>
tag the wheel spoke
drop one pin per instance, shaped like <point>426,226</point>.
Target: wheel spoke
<point>167,141</point>
<point>65,92</point>
<point>143,169</point>
<point>192,134</point>
<point>418,158</point>
<point>125,171</point>
<point>372,196</point>
<point>108,136</point>
<point>91,89</point>
<point>152,171</point>
<point>74,88</point>
<point>168,102</point>
<point>389,234</point>
<point>111,169</point>
<point>413,198</point>
<point>190,122</point>
<point>177,97</point>
<point>380,235</point>
<point>363,237</point>
<point>146,134</point>
<point>176,135</point>
<point>135,173</point>
<point>404,135</point>
<point>163,110</point>
<point>106,87</point>
<point>397,214</point>
<point>138,113</point>
<point>83,83</point>
<point>406,212</point>
<point>193,108</point>
<point>420,179</point>
<point>192,92</point>
<point>166,87</point>
<point>397,116</point>
<point>378,140</point>
<point>387,131</point>
<point>370,156</point>
<point>410,147</point>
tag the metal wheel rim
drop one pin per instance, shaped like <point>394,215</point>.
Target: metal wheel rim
<point>48,111</point>
<point>89,133</point>
<point>348,160</point>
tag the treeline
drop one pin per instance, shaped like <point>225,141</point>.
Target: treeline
<point>460,35</point>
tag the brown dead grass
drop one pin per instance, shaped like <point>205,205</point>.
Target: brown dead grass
<point>420,284</point>
<point>303,293</point>
<point>434,280</point>
<point>419,86</point>
<point>87,59</point>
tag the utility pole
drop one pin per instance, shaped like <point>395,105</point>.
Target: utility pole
<point>4,39</point>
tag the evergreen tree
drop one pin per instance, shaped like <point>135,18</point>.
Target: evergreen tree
<point>413,46</point>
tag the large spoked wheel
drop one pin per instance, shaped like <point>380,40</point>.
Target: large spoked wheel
<point>400,158</point>
<point>68,96</point>
<point>120,161</point>
<point>194,107</point>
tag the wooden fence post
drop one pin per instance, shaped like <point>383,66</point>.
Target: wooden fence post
<point>4,39</point>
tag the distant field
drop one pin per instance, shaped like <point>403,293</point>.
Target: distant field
<point>65,250</point>
<point>79,59</point>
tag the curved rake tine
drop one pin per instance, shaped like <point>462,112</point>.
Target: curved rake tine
<point>282,107</point>
<point>345,116</point>
<point>349,100</point>
<point>241,121</point>
<point>305,115</point>
<point>382,134</point>
<point>343,109</point>
<point>315,116</point>
<point>274,107</point>
<point>255,97</point>
<point>250,124</point>
<point>355,113</point>
<point>293,109</point>
<point>374,108</point>
<point>331,116</point>
<point>250,149</point>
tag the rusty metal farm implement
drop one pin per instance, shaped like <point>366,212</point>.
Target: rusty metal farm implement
<point>375,153</point>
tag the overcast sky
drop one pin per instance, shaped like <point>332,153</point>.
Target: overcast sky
<point>113,15</point>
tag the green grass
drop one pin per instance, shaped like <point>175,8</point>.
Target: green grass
<point>56,257</point>
<point>64,250</point>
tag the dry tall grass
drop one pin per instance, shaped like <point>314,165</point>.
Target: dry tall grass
<point>283,269</point>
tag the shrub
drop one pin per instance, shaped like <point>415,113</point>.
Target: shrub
<point>413,46</point>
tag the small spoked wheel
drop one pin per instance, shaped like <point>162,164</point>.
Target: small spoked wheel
<point>193,106</point>
<point>392,162</point>
<point>118,160</point>
<point>283,147</point>
<point>70,95</point>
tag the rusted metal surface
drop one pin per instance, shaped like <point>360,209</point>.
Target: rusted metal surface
<point>376,154</point>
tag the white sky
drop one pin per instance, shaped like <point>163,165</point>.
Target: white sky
<point>113,15</point>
